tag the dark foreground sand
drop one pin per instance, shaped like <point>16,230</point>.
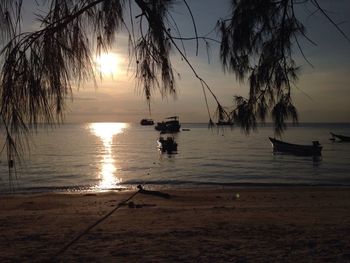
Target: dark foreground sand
<point>195,225</point>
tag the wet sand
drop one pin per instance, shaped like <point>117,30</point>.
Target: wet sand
<point>270,224</point>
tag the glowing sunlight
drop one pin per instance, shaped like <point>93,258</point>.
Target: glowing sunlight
<point>107,64</point>
<point>108,168</point>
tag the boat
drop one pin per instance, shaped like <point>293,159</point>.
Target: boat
<point>147,122</point>
<point>296,149</point>
<point>224,123</point>
<point>167,145</point>
<point>341,138</point>
<point>171,124</point>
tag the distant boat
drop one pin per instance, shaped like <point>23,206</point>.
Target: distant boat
<point>167,145</point>
<point>171,124</point>
<point>224,123</point>
<point>296,149</point>
<point>147,122</point>
<point>341,138</point>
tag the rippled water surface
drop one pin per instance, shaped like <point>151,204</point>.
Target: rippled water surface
<point>98,156</point>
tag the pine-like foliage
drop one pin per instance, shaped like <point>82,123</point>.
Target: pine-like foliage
<point>257,44</point>
<point>37,68</point>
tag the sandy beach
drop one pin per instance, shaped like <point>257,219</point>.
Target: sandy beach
<point>269,224</point>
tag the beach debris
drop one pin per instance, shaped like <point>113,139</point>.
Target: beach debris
<point>90,194</point>
<point>236,196</point>
<point>155,193</point>
<point>131,204</point>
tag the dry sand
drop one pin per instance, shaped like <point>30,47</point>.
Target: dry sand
<point>304,224</point>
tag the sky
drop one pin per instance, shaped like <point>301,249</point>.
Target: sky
<point>321,94</point>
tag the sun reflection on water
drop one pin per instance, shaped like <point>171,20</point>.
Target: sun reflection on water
<point>106,132</point>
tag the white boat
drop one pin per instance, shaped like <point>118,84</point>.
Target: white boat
<point>296,149</point>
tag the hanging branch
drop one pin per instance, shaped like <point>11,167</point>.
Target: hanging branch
<point>317,5</point>
<point>38,67</point>
<point>256,44</point>
<point>194,25</point>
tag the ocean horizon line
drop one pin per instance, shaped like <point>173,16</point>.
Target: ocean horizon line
<point>197,123</point>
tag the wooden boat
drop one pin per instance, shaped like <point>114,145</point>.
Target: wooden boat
<point>147,122</point>
<point>224,123</point>
<point>341,138</point>
<point>296,149</point>
<point>167,145</point>
<point>171,124</point>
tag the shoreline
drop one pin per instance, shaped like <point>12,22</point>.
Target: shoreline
<point>280,224</point>
<point>155,186</point>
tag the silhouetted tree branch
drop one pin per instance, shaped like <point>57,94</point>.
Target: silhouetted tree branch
<point>256,44</point>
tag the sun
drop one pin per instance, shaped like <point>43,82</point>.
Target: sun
<point>107,64</point>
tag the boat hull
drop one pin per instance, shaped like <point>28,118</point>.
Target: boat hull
<point>170,126</point>
<point>296,149</point>
<point>167,127</point>
<point>341,138</point>
<point>168,145</point>
<point>146,122</point>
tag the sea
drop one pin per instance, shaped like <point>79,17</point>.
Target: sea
<point>97,157</point>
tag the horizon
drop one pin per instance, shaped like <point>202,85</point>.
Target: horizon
<point>289,124</point>
<point>247,156</point>
<point>320,94</point>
